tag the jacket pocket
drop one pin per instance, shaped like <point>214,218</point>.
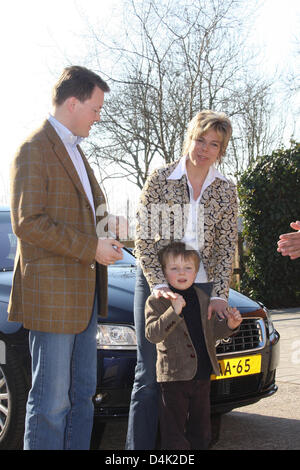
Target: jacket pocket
<point>45,264</point>
<point>167,359</point>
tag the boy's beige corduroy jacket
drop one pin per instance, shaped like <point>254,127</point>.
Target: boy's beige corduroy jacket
<point>176,355</point>
<point>217,239</point>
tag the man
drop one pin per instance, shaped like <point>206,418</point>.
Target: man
<point>289,243</point>
<point>60,278</point>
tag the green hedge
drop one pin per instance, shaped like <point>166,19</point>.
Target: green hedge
<point>269,194</point>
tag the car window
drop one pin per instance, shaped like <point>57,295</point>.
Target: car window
<point>8,243</point>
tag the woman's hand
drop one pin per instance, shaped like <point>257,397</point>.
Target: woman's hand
<point>218,306</point>
<point>221,308</point>
<point>234,318</point>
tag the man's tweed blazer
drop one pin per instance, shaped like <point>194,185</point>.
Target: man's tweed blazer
<point>55,270</point>
<point>217,226</point>
<point>176,355</point>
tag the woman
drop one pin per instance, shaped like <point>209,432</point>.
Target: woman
<point>189,201</point>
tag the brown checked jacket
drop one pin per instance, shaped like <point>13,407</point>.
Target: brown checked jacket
<point>55,272</point>
<point>162,217</point>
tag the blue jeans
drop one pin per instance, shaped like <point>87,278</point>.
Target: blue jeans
<point>143,413</point>
<point>59,413</point>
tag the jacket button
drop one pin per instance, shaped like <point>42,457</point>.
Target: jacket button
<point>93,266</point>
<point>193,355</point>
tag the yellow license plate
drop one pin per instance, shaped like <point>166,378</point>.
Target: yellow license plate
<point>238,366</point>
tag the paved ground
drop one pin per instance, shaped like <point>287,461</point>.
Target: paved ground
<point>272,423</point>
<point>287,322</point>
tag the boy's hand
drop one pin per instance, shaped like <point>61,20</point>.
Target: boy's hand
<point>165,292</point>
<point>178,303</point>
<point>234,318</point>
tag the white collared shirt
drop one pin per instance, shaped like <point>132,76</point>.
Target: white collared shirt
<point>190,235</point>
<point>71,141</point>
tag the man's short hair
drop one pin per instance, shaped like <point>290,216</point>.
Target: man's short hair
<point>76,81</point>
<point>178,249</point>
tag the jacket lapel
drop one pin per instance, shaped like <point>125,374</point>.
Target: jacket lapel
<point>204,300</point>
<point>62,154</point>
<point>177,189</point>
<point>99,198</point>
<point>177,194</point>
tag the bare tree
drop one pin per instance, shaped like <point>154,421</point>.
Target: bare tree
<point>255,131</point>
<point>176,59</point>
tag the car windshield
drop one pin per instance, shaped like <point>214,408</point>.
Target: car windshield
<point>128,259</point>
<point>8,246</point>
<point>8,243</point>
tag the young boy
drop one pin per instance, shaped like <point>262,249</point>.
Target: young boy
<point>186,355</point>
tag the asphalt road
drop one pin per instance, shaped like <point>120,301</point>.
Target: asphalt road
<point>271,424</point>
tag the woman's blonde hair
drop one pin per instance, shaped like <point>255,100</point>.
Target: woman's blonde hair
<point>203,122</point>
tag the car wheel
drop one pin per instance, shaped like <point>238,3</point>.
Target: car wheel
<point>13,397</point>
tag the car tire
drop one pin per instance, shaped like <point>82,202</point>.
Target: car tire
<point>13,398</point>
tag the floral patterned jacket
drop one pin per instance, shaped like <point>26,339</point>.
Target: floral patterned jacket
<point>162,218</point>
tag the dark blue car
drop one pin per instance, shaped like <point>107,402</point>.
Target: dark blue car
<point>247,361</point>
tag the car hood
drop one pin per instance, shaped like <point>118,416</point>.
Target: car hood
<point>5,285</point>
<point>121,286</point>
<point>242,302</point>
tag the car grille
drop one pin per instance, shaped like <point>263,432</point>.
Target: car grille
<point>231,388</point>
<point>250,337</point>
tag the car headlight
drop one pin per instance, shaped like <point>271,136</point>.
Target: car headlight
<point>270,324</point>
<point>110,336</point>
<point>271,327</point>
